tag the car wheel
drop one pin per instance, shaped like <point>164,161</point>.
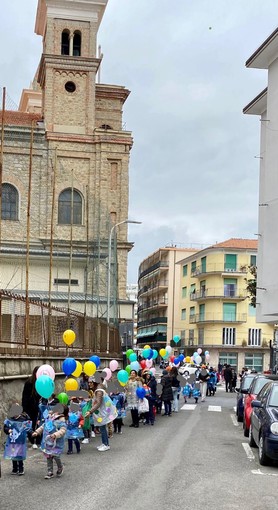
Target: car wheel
<point>251,439</point>
<point>186,373</point>
<point>263,458</point>
<point>245,429</point>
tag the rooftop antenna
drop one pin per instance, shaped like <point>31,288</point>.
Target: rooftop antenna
<point>100,56</point>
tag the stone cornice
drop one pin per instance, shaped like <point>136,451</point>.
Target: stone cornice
<point>104,91</point>
<point>66,63</point>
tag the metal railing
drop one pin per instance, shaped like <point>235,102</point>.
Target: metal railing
<point>217,317</point>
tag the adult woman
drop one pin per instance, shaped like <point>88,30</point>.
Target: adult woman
<point>175,388</point>
<point>133,383</point>
<point>167,393</point>
<point>101,411</point>
<point>30,402</point>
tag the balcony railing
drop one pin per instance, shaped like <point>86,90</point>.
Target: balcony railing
<point>153,320</point>
<point>154,304</point>
<point>217,317</point>
<point>162,264</point>
<point>221,293</point>
<point>154,286</point>
<point>218,268</point>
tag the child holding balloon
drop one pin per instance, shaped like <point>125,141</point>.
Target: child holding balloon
<point>16,427</point>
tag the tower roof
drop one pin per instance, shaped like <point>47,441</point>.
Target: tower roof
<point>83,10</point>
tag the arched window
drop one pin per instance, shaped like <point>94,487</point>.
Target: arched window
<point>65,43</point>
<point>77,44</point>
<point>70,207</point>
<point>9,202</point>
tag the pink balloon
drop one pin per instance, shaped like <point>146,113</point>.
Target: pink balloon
<point>108,372</point>
<point>149,363</point>
<point>113,365</point>
<point>153,370</point>
<point>199,351</point>
<point>207,357</point>
<point>45,370</point>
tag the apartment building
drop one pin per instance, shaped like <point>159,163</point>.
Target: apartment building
<point>215,313</point>
<point>158,296</point>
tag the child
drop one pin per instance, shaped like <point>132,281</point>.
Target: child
<point>187,391</point>
<point>74,426</point>
<point>53,432</point>
<point>86,405</point>
<point>118,400</point>
<point>16,427</point>
<point>196,393</point>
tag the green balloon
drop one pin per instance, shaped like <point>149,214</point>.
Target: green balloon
<point>129,352</point>
<point>63,398</point>
<point>128,369</point>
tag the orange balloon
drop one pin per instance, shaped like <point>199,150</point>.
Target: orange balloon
<point>168,369</point>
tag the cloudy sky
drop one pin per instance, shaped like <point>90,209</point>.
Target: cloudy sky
<point>193,168</point>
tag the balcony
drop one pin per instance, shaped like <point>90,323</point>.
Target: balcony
<point>162,265</point>
<point>146,307</point>
<point>218,268</point>
<point>217,317</point>
<point>220,293</point>
<point>155,286</point>
<point>153,320</point>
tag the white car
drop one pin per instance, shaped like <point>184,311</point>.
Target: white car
<point>187,369</point>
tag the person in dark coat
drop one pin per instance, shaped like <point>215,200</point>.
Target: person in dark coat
<point>228,376</point>
<point>30,403</point>
<point>167,393</point>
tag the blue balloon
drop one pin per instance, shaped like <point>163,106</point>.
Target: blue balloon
<point>134,365</point>
<point>155,353</point>
<point>176,361</point>
<point>195,354</point>
<point>181,357</point>
<point>69,365</point>
<point>146,353</point>
<point>45,386</point>
<point>140,392</point>
<point>151,354</point>
<point>96,360</point>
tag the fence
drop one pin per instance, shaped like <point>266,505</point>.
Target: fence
<point>27,325</point>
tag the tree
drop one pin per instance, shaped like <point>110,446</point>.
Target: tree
<point>251,286</point>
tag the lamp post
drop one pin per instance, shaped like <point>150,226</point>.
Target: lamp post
<point>113,228</point>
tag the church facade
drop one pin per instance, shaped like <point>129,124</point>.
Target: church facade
<point>65,171</point>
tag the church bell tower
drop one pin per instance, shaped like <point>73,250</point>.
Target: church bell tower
<point>68,66</point>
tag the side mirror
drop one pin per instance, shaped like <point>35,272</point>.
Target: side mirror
<point>256,403</point>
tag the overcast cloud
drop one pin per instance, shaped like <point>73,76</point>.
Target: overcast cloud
<point>193,171</point>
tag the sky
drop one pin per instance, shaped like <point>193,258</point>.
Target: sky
<point>194,166</point>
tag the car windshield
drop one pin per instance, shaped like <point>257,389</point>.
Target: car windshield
<point>273,401</point>
<point>259,384</point>
<point>246,382</point>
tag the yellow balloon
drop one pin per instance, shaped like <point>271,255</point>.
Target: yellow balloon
<point>69,336</point>
<point>78,369</point>
<point>146,347</point>
<point>122,384</point>
<point>71,385</point>
<point>187,359</point>
<point>89,368</point>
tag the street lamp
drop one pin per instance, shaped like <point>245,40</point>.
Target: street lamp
<point>113,228</point>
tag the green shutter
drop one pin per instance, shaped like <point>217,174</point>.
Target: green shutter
<point>230,262</point>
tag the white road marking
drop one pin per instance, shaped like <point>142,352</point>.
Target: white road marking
<point>188,407</point>
<point>259,472</point>
<point>234,420</point>
<point>215,408</point>
<point>250,455</point>
<point>235,409</point>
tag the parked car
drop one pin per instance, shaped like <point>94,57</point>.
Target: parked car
<point>263,430</point>
<point>244,385</point>
<point>187,369</point>
<point>250,394</point>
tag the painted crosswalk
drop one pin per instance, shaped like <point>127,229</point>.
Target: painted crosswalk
<point>192,407</point>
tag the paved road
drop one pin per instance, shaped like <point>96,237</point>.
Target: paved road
<point>194,459</point>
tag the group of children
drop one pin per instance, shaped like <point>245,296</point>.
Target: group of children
<point>58,423</point>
